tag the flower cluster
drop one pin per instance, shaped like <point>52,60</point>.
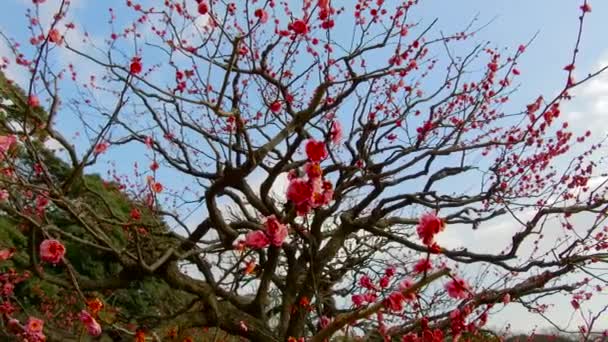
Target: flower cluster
<point>426,334</point>
<point>313,191</point>
<point>394,301</point>
<point>429,226</point>
<point>457,288</point>
<point>274,234</point>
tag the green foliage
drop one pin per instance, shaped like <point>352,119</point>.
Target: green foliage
<point>146,297</point>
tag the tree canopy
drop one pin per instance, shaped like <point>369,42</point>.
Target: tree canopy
<point>285,171</point>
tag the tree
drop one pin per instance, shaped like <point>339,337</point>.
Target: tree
<point>305,177</point>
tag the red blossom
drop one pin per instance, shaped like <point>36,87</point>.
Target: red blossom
<point>55,37</point>
<point>299,27</point>
<point>135,214</point>
<point>101,147</point>
<point>275,107</point>
<point>367,283</point>
<point>203,7</point>
<point>395,301</point>
<point>135,67</point>
<point>299,191</point>
<point>315,150</point>
<point>429,226</point>
<point>586,8</point>
<point>423,265</point>
<point>313,170</point>
<point>33,101</point>
<point>261,14</point>
<point>457,288</point>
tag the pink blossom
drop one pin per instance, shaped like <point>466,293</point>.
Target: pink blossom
<point>384,282</point>
<point>457,288</point>
<point>324,321</point>
<point>366,282</point>
<point>395,301</point>
<point>6,254</point>
<point>55,36</point>
<point>358,300</point>
<point>34,325</point>
<point>257,240</point>
<point>33,329</point>
<point>404,286</point>
<point>101,147</point>
<point>276,231</point>
<point>93,328</point>
<point>52,251</point>
<point>423,265</point>
<point>261,14</point>
<point>336,132</point>
<point>6,141</point>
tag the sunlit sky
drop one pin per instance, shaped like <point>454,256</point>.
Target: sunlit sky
<point>510,23</point>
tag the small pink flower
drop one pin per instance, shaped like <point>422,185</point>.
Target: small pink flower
<point>203,8</point>
<point>261,15</point>
<point>55,36</point>
<point>93,328</point>
<point>423,265</point>
<point>324,322</point>
<point>34,325</point>
<point>149,142</point>
<point>457,288</point>
<point>52,251</point>
<point>384,282</point>
<point>6,141</point>
<point>6,254</point>
<point>358,300</point>
<point>257,240</point>
<point>101,147</point>
<point>506,299</point>
<point>366,282</point>
<point>336,132</point>
<point>276,231</point>
<point>243,326</point>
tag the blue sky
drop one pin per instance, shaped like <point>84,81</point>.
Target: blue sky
<point>512,22</point>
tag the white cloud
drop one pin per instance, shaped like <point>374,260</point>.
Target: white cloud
<point>589,107</point>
